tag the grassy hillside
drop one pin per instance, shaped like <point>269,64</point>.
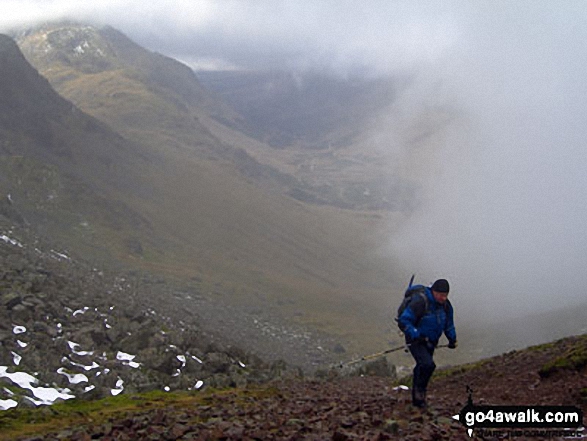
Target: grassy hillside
<point>63,172</point>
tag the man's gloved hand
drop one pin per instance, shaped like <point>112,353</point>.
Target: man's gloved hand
<point>452,344</point>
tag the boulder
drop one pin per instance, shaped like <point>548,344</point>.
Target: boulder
<point>21,313</point>
<point>377,368</point>
<point>10,300</point>
<point>217,363</point>
<point>160,361</point>
<point>137,341</point>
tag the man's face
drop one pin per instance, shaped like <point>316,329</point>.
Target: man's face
<point>440,297</point>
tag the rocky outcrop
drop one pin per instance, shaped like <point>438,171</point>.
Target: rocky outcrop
<point>70,330</point>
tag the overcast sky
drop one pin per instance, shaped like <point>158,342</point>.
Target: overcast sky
<point>504,214</point>
<point>344,34</point>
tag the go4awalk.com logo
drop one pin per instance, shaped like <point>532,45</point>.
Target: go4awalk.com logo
<point>528,421</point>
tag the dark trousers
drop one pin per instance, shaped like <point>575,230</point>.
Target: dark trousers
<point>423,353</point>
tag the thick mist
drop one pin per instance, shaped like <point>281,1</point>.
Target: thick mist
<point>502,170</point>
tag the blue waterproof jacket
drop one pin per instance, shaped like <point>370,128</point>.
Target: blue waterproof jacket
<point>427,319</point>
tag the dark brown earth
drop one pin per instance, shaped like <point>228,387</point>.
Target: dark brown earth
<point>368,408</point>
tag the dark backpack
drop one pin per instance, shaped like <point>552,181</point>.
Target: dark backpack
<point>412,292</point>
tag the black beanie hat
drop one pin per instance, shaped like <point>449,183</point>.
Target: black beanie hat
<point>441,285</point>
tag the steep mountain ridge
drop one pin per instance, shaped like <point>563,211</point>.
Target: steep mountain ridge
<point>158,101</point>
<point>187,213</point>
<point>71,50</point>
<point>59,164</point>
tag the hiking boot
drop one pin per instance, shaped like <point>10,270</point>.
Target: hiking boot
<point>419,399</point>
<point>420,404</point>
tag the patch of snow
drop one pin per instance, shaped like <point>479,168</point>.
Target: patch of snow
<point>123,356</point>
<point>84,367</point>
<point>127,359</point>
<point>89,388</point>
<point>197,359</point>
<point>10,241</point>
<point>48,395</point>
<point>9,392</point>
<point>119,387</point>
<point>16,358</point>
<point>60,255</point>
<point>44,395</point>
<point>74,348</point>
<point>166,388</point>
<point>22,344</point>
<point>199,384</point>
<point>93,366</point>
<point>81,311</point>
<point>19,330</point>
<point>73,378</point>
<point>21,378</point>
<point>241,364</point>
<point>7,404</point>
<point>401,387</point>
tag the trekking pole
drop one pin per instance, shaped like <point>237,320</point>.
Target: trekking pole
<point>380,354</point>
<point>370,357</point>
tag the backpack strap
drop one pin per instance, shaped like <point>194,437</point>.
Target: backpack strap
<point>419,312</point>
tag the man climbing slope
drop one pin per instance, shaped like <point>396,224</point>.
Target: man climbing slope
<point>425,318</point>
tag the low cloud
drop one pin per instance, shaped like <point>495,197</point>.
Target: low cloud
<point>338,35</point>
<point>502,211</point>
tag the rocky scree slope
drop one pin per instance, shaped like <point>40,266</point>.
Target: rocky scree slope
<point>367,408</point>
<point>68,329</point>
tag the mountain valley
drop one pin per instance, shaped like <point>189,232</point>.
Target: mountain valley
<point>146,166</point>
<point>180,203</point>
